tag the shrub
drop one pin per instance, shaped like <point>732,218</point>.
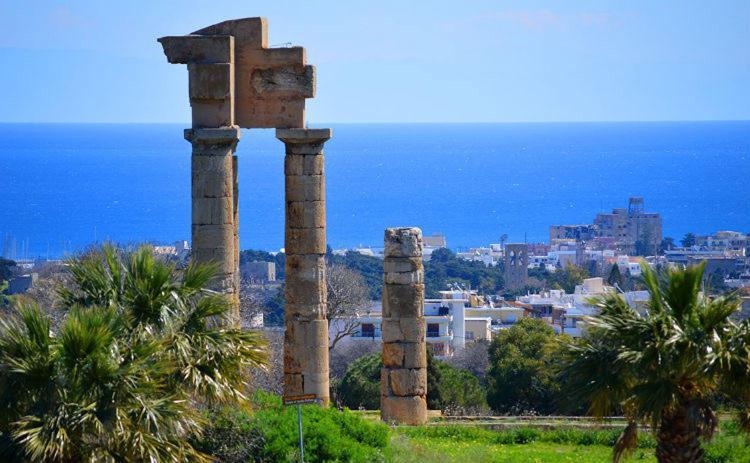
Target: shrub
<point>448,388</point>
<point>269,434</point>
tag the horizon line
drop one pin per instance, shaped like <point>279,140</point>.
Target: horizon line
<point>613,121</point>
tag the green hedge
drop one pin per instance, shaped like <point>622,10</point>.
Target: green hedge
<point>269,434</point>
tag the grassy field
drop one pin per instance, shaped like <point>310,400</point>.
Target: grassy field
<point>468,443</point>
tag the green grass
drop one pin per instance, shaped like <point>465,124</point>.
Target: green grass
<point>466,443</point>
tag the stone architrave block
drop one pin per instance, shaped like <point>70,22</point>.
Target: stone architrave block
<point>306,214</point>
<point>404,410</point>
<point>408,382</point>
<point>188,49</point>
<point>210,81</point>
<point>212,113</point>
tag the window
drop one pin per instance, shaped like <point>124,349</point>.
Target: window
<point>433,330</point>
<point>469,335</point>
<point>368,330</point>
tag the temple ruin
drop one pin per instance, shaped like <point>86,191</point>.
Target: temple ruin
<point>237,81</point>
<point>403,379</point>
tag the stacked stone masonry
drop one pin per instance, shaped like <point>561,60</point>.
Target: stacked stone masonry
<point>306,337</point>
<point>214,206</point>
<point>236,81</point>
<point>403,381</point>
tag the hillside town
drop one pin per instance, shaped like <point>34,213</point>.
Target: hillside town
<point>608,252</point>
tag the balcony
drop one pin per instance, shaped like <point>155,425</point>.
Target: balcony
<point>367,334</point>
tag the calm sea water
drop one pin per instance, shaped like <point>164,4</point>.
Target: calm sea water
<point>65,186</point>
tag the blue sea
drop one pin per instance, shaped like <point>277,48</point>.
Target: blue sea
<point>64,186</point>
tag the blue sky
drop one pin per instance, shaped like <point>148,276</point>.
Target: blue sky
<point>395,61</point>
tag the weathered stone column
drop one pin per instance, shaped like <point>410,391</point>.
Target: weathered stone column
<point>306,336</point>
<point>403,379</point>
<point>214,211</point>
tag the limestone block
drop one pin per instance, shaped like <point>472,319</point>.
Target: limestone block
<point>213,210</point>
<point>303,136</point>
<point>305,188</point>
<point>403,300</point>
<point>403,278</point>
<point>404,410</point>
<point>214,236</point>
<point>403,264</point>
<point>384,390</point>
<point>290,81</point>
<point>304,149</point>
<point>403,242</point>
<point>304,164</point>
<point>305,312</point>
<point>219,255</point>
<point>274,57</point>
<point>390,330</point>
<point>293,384</point>
<point>213,136</point>
<point>415,354</point>
<point>305,241</point>
<point>210,81</point>
<point>393,355</point>
<point>198,49</point>
<point>305,214</point>
<point>212,113</point>
<point>408,382</point>
<point>305,293</point>
<point>212,177</point>
<point>317,383</point>
<point>403,329</point>
<point>306,267</point>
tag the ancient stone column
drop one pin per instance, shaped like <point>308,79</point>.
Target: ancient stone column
<point>306,336</point>
<point>214,211</point>
<point>403,379</point>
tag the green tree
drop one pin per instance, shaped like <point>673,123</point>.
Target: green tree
<point>360,386</point>
<point>664,367</point>
<point>448,388</point>
<point>615,277</point>
<point>142,343</point>
<point>6,269</point>
<point>567,278</point>
<point>523,362</point>
<point>667,244</point>
<point>688,240</point>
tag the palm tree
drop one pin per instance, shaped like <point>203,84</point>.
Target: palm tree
<point>141,347</point>
<point>663,367</point>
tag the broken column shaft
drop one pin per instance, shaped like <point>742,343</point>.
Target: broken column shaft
<point>306,336</point>
<point>403,379</point>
